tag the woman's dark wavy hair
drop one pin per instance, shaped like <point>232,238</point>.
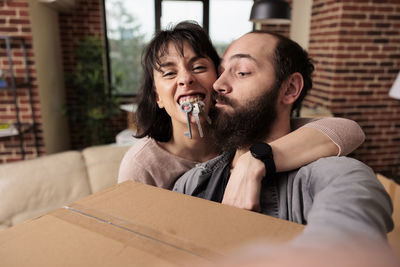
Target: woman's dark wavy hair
<point>150,120</point>
<point>289,58</point>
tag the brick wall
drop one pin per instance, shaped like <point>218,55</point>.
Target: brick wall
<point>14,21</point>
<point>356,48</point>
<point>283,29</point>
<point>85,20</point>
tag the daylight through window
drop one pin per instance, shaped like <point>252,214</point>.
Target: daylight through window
<point>131,24</point>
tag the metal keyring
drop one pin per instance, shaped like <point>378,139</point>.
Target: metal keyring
<point>186,104</point>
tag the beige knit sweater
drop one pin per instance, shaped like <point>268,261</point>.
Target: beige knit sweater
<point>148,163</point>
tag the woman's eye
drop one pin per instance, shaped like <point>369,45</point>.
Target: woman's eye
<point>243,74</point>
<point>168,74</point>
<point>199,68</point>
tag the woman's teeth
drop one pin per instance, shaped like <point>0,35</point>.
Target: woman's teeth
<point>190,99</point>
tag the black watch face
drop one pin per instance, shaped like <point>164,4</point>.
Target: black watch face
<point>260,149</point>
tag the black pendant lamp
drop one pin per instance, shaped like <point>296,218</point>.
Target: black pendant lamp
<point>270,11</point>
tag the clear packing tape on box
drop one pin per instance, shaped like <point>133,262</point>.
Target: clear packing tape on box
<point>134,230</point>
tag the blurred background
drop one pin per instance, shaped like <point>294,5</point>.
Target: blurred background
<point>70,69</point>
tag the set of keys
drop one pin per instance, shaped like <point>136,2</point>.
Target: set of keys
<point>196,108</point>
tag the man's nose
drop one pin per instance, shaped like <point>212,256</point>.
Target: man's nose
<point>185,78</point>
<point>221,85</point>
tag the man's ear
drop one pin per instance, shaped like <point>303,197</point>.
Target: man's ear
<point>293,86</point>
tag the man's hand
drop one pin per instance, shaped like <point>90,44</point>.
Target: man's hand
<point>244,186</point>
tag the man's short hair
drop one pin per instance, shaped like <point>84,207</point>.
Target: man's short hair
<point>289,57</point>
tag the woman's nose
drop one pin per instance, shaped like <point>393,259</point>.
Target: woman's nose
<point>185,78</point>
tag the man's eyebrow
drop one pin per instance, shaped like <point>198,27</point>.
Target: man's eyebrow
<point>239,56</point>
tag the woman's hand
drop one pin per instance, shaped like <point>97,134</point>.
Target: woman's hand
<point>244,185</point>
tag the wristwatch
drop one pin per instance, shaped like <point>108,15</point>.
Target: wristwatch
<point>263,152</point>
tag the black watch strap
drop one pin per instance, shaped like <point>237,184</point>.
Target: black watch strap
<point>263,152</point>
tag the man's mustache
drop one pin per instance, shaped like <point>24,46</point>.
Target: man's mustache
<point>222,99</point>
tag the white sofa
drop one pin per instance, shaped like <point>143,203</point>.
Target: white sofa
<point>31,188</point>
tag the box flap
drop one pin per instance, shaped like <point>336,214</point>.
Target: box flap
<point>210,224</point>
<point>137,225</point>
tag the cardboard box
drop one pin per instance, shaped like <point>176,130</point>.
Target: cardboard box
<point>393,190</point>
<point>133,224</point>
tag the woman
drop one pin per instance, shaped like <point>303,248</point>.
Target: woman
<point>180,67</point>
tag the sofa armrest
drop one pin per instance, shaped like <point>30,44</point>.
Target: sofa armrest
<point>34,187</point>
<point>102,163</point>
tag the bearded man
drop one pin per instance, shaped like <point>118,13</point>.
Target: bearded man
<point>263,78</point>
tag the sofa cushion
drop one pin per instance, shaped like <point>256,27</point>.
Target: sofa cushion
<point>102,163</point>
<point>34,187</point>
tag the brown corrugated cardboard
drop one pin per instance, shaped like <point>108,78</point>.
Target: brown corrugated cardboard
<point>133,224</point>
<point>393,190</point>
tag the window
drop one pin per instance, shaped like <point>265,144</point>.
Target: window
<point>132,23</point>
<point>171,12</point>
<point>229,19</point>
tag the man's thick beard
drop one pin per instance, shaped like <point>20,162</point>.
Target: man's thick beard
<point>250,122</point>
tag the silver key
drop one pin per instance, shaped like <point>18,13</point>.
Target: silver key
<point>195,112</point>
<point>187,107</point>
<point>202,108</point>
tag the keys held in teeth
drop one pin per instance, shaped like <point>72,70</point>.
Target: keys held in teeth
<point>202,108</point>
<point>196,108</point>
<point>187,108</point>
<point>195,112</point>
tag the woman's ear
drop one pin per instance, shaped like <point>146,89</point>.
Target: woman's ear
<point>293,87</point>
<point>158,100</point>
